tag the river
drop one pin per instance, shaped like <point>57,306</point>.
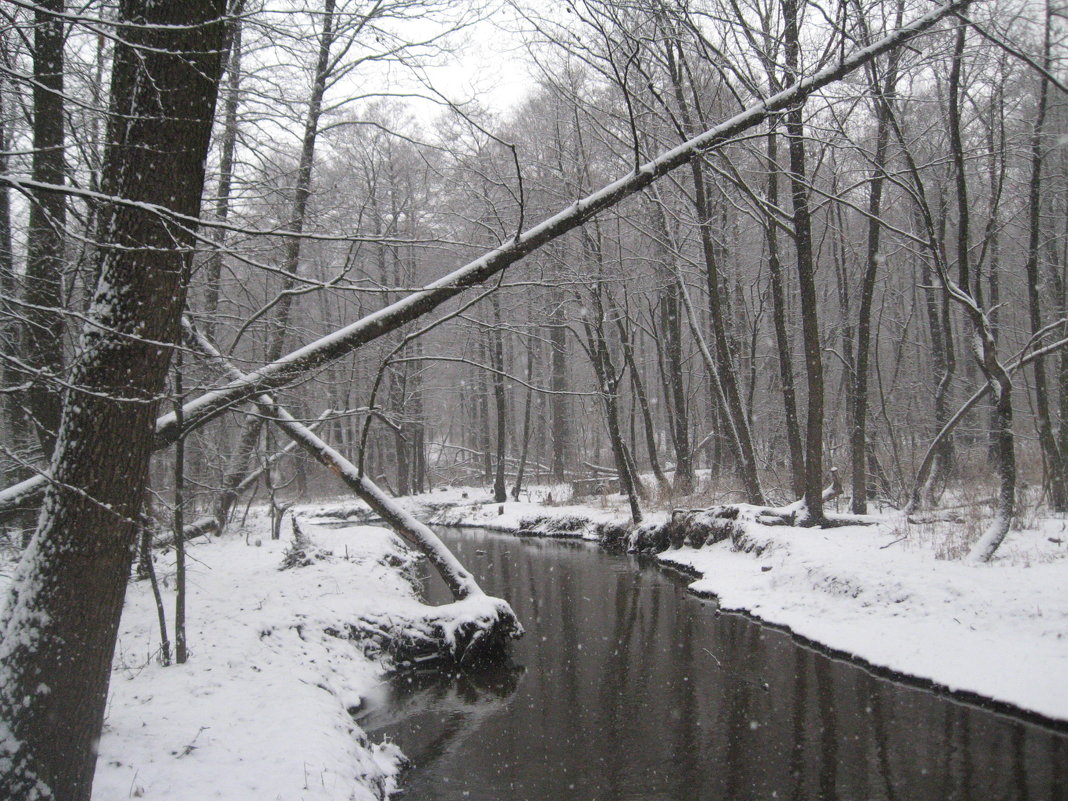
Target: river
<point>628,688</point>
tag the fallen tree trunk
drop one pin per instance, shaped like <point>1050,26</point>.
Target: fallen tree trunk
<point>460,582</point>
<point>290,367</point>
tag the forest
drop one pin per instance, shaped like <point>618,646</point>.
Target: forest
<point>793,256</point>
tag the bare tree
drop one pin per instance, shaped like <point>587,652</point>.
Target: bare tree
<point>56,648</point>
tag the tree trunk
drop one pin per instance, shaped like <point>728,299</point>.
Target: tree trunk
<point>675,378</point>
<point>643,404</point>
<point>398,381</point>
<point>482,409</point>
<point>417,428</point>
<point>782,337</point>
<point>669,354</point>
<point>62,613</point>
<point>943,362</point>
<point>608,382</point>
<point>43,295</point>
<point>718,308</point>
<point>881,97</point>
<point>608,376</point>
<point>559,402</point>
<point>13,422</point>
<point>524,446</point>
<point>806,274</point>
<point>181,652</point>
<point>1056,477</point>
<point>302,189</point>
<point>496,346</point>
<point>226,172</point>
<point>248,440</point>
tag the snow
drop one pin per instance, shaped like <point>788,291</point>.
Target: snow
<point>261,710</point>
<point>535,514</point>
<point>998,630</point>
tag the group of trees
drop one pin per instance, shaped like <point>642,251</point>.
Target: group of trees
<point>867,229</point>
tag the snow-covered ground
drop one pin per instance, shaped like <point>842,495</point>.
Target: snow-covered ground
<point>278,660</point>
<point>260,710</point>
<point>999,630</point>
<point>883,593</point>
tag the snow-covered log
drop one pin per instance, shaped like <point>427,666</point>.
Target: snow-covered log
<point>485,631</point>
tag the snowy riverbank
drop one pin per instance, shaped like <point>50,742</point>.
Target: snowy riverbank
<point>260,709</point>
<point>879,593</point>
<point>278,658</point>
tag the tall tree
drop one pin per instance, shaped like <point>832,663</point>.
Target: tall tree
<point>43,296</point>
<point>1054,459</point>
<point>62,613</point>
<point>882,88</point>
<point>806,274</point>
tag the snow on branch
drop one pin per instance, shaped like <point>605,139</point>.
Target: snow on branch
<point>335,345</point>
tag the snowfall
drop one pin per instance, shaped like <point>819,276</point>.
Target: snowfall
<point>264,707</point>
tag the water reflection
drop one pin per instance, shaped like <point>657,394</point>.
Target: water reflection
<point>633,689</point>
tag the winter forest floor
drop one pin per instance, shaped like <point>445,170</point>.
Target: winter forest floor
<point>279,658</point>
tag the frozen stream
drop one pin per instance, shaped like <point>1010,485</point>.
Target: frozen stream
<point>627,687</point>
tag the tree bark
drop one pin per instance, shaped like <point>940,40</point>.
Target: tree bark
<point>782,337</point>
<point>496,347</point>
<point>62,613</point>
<point>1056,477</point>
<point>643,405</point>
<point>559,403</point>
<point>882,95</point>
<point>248,440</point>
<point>806,274</point>
<point>718,307</point>
<point>302,189</point>
<point>608,381</point>
<point>675,378</point>
<point>524,444</point>
<point>43,295</point>
<point>12,415</point>
<point>213,278</point>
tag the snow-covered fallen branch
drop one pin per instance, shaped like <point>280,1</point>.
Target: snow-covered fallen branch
<point>480,634</point>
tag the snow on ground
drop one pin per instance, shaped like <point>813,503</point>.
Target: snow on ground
<point>999,630</point>
<point>279,659</point>
<point>531,515</point>
<point>884,594</point>
<point>260,710</point>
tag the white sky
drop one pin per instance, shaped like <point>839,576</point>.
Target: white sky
<point>492,66</point>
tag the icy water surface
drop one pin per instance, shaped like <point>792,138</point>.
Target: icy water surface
<point>627,688</point>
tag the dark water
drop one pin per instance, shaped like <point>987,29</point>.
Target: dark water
<point>628,688</point>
